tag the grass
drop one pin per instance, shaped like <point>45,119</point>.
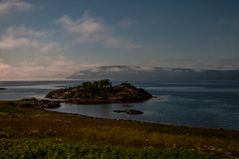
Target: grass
<point>52,133</point>
<point>49,149</point>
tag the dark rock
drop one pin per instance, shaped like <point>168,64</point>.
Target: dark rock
<point>33,133</point>
<point>51,132</point>
<point>129,111</point>
<point>36,103</point>
<point>100,92</point>
<point>3,134</point>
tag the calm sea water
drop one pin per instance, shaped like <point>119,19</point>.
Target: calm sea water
<point>213,104</point>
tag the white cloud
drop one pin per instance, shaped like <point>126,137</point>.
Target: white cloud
<point>16,37</point>
<point>50,68</point>
<point>85,25</point>
<point>23,31</point>
<point>88,29</point>
<point>10,42</point>
<point>26,38</point>
<point>6,6</point>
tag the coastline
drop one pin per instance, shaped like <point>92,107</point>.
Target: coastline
<point>172,105</point>
<point>50,110</point>
<point>35,124</point>
<point>143,121</point>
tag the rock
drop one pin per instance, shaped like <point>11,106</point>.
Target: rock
<point>3,134</point>
<point>33,133</point>
<point>36,103</point>
<point>129,111</point>
<point>100,92</point>
<point>51,132</point>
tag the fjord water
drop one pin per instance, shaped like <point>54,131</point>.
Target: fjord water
<point>213,104</point>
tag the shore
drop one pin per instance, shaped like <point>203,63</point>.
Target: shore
<point>29,128</point>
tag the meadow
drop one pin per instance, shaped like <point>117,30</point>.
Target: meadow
<point>37,133</point>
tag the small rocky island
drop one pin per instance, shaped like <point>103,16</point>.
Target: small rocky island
<point>99,92</point>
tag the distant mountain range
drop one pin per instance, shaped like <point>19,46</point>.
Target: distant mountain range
<point>137,73</point>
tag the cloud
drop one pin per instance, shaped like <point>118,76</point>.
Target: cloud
<point>7,6</point>
<point>51,47</point>
<point>89,29</point>
<point>26,38</point>
<point>218,64</point>
<point>15,37</point>
<point>50,68</point>
<point>23,31</point>
<point>10,42</point>
<point>85,25</point>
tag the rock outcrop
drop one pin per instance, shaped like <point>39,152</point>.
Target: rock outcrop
<point>129,111</point>
<point>100,92</point>
<point>38,103</point>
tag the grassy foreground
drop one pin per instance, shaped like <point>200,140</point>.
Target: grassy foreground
<point>31,133</point>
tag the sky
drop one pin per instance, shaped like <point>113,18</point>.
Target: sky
<point>55,39</point>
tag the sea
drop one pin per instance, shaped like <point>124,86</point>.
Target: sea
<point>210,104</point>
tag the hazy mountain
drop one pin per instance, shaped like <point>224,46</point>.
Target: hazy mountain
<point>136,73</point>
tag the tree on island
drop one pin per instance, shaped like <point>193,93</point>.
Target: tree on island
<point>96,85</point>
<point>105,83</point>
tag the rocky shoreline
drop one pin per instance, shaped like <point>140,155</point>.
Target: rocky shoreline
<point>97,92</point>
<point>100,92</point>
<point>38,103</point>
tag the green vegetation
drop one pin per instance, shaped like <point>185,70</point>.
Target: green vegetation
<point>27,133</point>
<point>32,148</point>
<point>96,85</point>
